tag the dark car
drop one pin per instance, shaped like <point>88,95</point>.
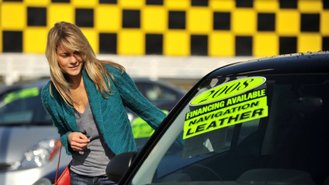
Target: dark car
<point>28,139</point>
<point>164,95</point>
<point>256,122</point>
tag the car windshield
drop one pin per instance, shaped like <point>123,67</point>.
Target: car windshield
<point>265,129</point>
<point>22,107</point>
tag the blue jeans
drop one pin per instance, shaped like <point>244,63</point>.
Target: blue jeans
<point>77,179</point>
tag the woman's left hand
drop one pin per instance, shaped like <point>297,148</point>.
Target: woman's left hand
<point>78,141</point>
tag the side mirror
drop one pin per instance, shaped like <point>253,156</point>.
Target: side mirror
<point>119,164</point>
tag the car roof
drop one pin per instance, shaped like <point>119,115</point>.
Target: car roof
<point>23,85</point>
<point>41,82</point>
<point>160,82</point>
<point>307,63</point>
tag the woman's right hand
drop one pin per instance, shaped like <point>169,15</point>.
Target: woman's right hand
<point>78,141</point>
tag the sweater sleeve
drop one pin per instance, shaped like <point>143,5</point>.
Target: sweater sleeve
<point>51,109</point>
<point>135,100</point>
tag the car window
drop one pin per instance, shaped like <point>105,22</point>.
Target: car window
<point>246,129</point>
<point>22,106</point>
<point>157,93</point>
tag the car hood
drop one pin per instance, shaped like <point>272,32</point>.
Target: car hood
<point>16,140</point>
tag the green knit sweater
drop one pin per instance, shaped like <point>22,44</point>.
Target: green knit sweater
<point>109,112</point>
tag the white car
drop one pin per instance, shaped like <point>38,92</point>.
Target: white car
<point>29,141</point>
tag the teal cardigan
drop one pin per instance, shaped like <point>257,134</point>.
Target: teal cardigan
<point>109,112</point>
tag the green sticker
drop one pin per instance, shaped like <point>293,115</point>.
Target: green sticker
<point>225,105</point>
<point>227,90</point>
<point>21,94</point>
<point>225,117</point>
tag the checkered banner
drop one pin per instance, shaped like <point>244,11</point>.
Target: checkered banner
<point>219,28</point>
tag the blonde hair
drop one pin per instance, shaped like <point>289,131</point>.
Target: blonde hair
<point>70,36</point>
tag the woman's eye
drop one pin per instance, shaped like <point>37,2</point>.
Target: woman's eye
<point>77,53</point>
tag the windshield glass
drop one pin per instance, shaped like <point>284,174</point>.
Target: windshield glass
<point>22,107</point>
<point>266,129</point>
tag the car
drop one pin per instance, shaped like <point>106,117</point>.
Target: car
<point>163,94</point>
<point>2,86</point>
<point>263,121</point>
<point>30,143</point>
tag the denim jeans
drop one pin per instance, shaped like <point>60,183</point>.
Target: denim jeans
<point>77,179</point>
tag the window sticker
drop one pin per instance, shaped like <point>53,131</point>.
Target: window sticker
<point>225,105</point>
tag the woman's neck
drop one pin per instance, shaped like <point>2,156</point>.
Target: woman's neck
<point>76,81</point>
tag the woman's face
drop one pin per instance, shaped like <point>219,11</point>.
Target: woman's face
<point>69,61</point>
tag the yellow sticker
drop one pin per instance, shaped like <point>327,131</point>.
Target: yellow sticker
<point>227,90</point>
<point>225,105</point>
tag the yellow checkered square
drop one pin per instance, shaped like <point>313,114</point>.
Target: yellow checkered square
<point>244,21</point>
<point>265,44</point>
<point>37,2</point>
<point>177,43</point>
<point>30,36</point>
<point>199,20</point>
<point>131,42</point>
<point>177,4</point>
<point>92,36</point>
<point>220,5</point>
<point>108,18</point>
<point>84,3</point>
<point>131,3</point>
<point>266,6</point>
<point>309,42</point>
<point>60,12</point>
<point>309,6</point>
<point>287,22</point>
<point>324,24</point>
<point>154,19</point>
<point>221,44</point>
<point>13,16</point>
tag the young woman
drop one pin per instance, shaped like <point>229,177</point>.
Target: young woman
<point>86,99</point>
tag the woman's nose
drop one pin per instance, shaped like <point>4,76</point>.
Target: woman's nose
<point>73,59</point>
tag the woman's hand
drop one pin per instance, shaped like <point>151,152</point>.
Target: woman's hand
<point>78,141</point>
